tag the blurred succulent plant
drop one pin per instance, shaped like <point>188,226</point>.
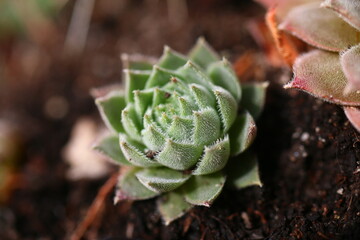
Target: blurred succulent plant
<point>17,16</point>
<point>176,126</point>
<point>331,72</point>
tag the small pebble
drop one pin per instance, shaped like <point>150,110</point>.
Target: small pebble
<point>340,191</point>
<point>305,136</point>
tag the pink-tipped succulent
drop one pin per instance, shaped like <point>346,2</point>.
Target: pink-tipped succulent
<point>180,129</point>
<point>331,71</point>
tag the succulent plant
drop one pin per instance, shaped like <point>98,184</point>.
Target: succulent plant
<point>177,125</point>
<point>331,71</point>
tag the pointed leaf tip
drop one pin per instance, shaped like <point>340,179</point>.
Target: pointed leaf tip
<point>178,155</point>
<point>203,190</point>
<point>129,187</point>
<point>222,74</point>
<point>242,133</point>
<point>215,157</point>
<point>134,155</point>
<point>227,107</point>
<point>172,206</point>
<point>109,146</point>
<point>244,171</point>
<point>137,62</point>
<point>202,54</point>
<point>171,59</point>
<point>319,73</point>
<point>110,107</point>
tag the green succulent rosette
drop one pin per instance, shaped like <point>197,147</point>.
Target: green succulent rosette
<point>176,126</point>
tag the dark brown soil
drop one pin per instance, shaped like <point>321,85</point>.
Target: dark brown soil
<point>309,154</point>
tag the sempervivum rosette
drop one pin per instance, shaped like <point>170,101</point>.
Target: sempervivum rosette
<point>176,126</point>
<point>332,71</point>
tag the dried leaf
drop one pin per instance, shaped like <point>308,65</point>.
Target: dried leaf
<point>283,42</point>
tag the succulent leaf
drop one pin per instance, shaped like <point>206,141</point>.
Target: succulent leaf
<point>319,73</point>
<point>202,54</point>
<point>193,74</point>
<point>222,74</point>
<point>109,146</point>
<point>172,206</point>
<point>153,137</point>
<point>206,121</point>
<point>214,158</point>
<point>171,59</point>
<point>179,156</point>
<point>349,10</point>
<point>134,155</point>
<point>109,106</point>
<point>353,114</point>
<point>253,98</point>
<point>134,80</point>
<point>350,63</point>
<point>142,100</point>
<point>130,188</point>
<point>130,122</point>
<point>308,22</point>
<point>181,129</point>
<point>242,133</point>
<point>227,107</point>
<point>161,179</point>
<point>243,171</point>
<point>137,62</point>
<point>159,77</point>
<point>203,190</point>
<point>204,98</point>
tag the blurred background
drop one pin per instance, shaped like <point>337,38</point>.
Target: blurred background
<point>52,53</point>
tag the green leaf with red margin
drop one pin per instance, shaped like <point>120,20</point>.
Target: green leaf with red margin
<point>242,133</point>
<point>320,27</point>
<point>319,73</point>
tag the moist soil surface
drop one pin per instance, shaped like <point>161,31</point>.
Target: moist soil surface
<point>308,152</point>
